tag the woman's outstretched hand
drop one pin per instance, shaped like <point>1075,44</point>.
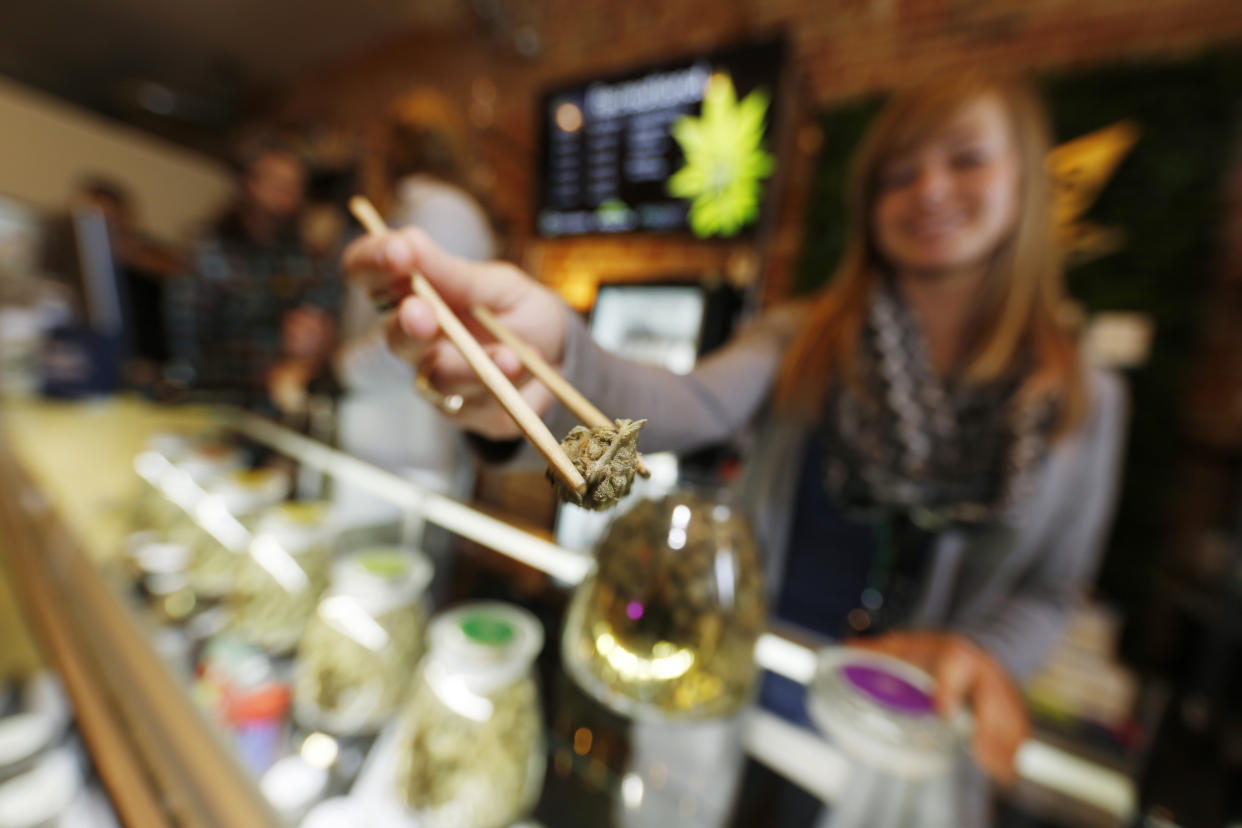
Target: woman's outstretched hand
<point>382,264</point>
<point>965,674</point>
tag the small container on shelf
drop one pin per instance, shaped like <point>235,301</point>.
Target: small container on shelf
<point>471,746</point>
<point>242,690</point>
<point>284,575</point>
<point>666,626</point>
<point>362,642</point>
<point>225,519</point>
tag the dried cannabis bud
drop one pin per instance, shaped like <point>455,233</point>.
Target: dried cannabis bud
<point>607,458</point>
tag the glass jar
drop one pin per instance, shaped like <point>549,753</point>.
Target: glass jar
<point>361,644</point>
<point>905,759</point>
<point>471,748</point>
<point>666,625</point>
<point>153,513</point>
<point>284,575</point>
<point>224,520</point>
<point>171,467</point>
<point>208,461</point>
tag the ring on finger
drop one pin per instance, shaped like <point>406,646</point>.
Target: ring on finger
<point>449,404</point>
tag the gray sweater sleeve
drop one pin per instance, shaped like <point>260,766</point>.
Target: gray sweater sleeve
<point>713,402</point>
<point>1019,631</point>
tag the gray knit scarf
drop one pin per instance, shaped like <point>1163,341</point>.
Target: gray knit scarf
<point>939,450</point>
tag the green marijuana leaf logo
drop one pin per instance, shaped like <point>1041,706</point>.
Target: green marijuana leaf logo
<point>725,159</point>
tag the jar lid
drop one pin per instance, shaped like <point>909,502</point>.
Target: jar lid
<point>207,460</point>
<point>174,445</point>
<point>292,785</point>
<point>247,491</point>
<point>879,710</point>
<point>302,512</point>
<point>163,558</point>
<point>297,524</point>
<point>382,578</point>
<point>490,641</point>
<point>41,794</point>
<point>23,735</point>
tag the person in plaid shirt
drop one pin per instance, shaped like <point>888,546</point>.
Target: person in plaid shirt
<point>258,311</point>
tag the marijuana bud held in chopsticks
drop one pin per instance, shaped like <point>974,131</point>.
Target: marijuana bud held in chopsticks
<point>596,467</point>
<point>607,458</point>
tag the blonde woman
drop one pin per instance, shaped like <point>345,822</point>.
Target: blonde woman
<point>934,464</point>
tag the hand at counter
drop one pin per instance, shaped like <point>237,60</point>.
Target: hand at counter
<point>382,265</point>
<point>965,674</point>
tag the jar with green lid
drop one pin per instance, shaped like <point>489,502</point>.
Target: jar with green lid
<point>471,749</point>
<point>283,576</point>
<point>666,626</point>
<point>362,642</point>
<point>225,518</point>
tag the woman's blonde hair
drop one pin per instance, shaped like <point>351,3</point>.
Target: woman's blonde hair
<point>1023,308</point>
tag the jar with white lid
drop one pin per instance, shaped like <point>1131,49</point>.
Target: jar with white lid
<point>283,576</point>
<point>472,746</point>
<point>361,644</point>
<point>225,518</point>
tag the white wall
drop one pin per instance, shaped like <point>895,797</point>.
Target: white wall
<point>47,146</point>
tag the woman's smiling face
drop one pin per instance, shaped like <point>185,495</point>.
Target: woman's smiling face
<point>951,201</point>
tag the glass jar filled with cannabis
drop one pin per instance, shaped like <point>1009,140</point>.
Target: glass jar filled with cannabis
<point>225,519</point>
<point>283,576</point>
<point>362,642</point>
<point>172,468</point>
<point>666,626</point>
<point>153,514</point>
<point>471,743</point>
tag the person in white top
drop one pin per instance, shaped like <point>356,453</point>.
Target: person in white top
<point>382,418</point>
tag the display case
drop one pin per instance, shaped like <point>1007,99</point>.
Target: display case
<point>198,719</point>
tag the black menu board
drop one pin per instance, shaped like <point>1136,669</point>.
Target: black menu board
<point>680,146</point>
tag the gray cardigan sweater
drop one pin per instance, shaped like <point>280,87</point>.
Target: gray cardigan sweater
<point>1007,586</point>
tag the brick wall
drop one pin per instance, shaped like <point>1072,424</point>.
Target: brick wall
<point>840,49</point>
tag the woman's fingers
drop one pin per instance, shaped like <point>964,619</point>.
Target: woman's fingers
<point>483,415</point>
<point>417,320</point>
<point>966,675</point>
<point>916,648</point>
<point>449,372</point>
<point>377,260</point>
<point>1001,723</point>
<point>956,671</point>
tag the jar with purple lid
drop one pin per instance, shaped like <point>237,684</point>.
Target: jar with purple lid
<point>879,711</point>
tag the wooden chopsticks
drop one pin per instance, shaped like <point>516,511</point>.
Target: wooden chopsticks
<point>570,397</point>
<point>490,375</point>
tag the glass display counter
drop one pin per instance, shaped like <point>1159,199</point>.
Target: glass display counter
<point>284,698</point>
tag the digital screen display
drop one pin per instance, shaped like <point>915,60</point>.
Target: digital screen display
<point>681,146</point>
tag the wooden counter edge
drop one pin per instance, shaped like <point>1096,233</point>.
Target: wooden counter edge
<point>154,751</point>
